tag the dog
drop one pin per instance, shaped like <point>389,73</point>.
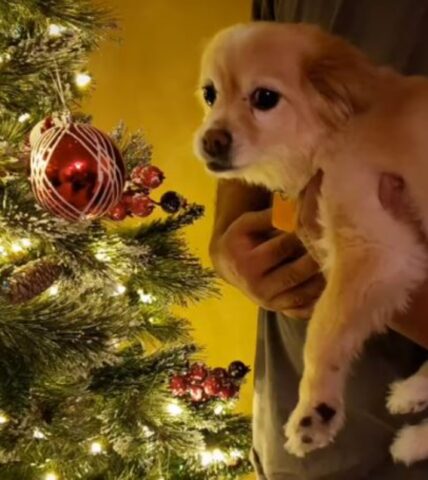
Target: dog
<point>283,102</point>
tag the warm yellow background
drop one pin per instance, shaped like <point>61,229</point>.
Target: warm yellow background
<point>149,81</point>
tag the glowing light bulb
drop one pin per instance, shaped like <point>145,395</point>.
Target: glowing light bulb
<point>16,247</point>
<point>236,454</point>
<point>26,242</point>
<point>5,58</point>
<point>51,476</point>
<point>55,30</point>
<point>96,448</point>
<point>53,290</point>
<point>102,256</point>
<point>174,409</point>
<point>120,289</point>
<point>37,433</point>
<point>215,456</point>
<point>2,250</point>
<point>147,298</point>
<point>24,117</point>
<point>218,409</point>
<point>206,459</point>
<point>218,455</point>
<point>148,432</point>
<point>82,80</point>
<point>3,418</point>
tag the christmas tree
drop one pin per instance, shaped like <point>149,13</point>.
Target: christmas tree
<point>99,378</point>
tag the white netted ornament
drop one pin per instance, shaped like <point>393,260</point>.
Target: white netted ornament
<point>77,172</point>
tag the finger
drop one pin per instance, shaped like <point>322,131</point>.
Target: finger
<point>287,277</point>
<point>254,222</point>
<point>301,297</point>
<point>278,249</point>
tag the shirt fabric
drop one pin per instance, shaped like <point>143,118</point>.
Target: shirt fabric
<point>393,32</point>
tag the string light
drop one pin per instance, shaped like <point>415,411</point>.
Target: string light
<point>24,117</point>
<point>37,433</point>
<point>5,58</point>
<point>148,432</point>
<point>3,418</point>
<point>96,448</point>
<point>26,242</point>
<point>53,290</point>
<point>174,409</point>
<point>147,298</point>
<point>219,409</point>
<point>2,250</point>
<point>82,80</point>
<point>215,456</point>
<point>120,289</point>
<point>16,247</point>
<point>102,256</point>
<point>51,476</point>
<point>236,454</point>
<point>55,30</point>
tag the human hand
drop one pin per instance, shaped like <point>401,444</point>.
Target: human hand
<point>270,267</point>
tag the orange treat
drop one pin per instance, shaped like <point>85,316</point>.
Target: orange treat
<point>284,213</point>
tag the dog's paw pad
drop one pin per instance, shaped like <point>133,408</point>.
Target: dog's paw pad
<point>312,428</point>
<point>410,444</point>
<point>408,396</point>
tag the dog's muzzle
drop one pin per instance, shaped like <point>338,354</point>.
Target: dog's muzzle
<point>217,146</point>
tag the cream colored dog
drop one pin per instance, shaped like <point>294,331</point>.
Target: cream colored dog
<point>282,102</point>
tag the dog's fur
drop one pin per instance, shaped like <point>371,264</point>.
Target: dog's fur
<point>343,115</point>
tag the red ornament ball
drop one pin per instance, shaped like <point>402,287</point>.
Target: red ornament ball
<point>178,385</point>
<point>76,171</point>
<point>212,386</point>
<point>147,176</point>
<point>142,205</point>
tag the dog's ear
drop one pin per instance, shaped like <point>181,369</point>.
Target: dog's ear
<point>341,79</point>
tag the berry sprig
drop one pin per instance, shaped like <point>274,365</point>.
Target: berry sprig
<point>200,384</point>
<point>136,200</point>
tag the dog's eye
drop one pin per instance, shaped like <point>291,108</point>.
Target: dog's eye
<point>210,94</point>
<point>264,99</point>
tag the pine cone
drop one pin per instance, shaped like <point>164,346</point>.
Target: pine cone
<point>31,280</point>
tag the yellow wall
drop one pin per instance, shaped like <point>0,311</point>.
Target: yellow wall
<point>149,82</point>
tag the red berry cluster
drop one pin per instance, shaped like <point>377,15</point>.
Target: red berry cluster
<point>202,384</point>
<point>136,199</point>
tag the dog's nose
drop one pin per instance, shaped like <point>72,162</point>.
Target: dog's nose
<point>217,144</point>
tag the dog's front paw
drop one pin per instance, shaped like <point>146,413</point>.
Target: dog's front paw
<point>408,396</point>
<point>411,444</point>
<point>313,427</point>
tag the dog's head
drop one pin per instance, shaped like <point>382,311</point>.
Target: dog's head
<point>271,94</point>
